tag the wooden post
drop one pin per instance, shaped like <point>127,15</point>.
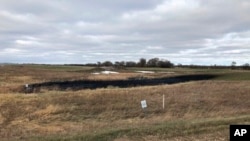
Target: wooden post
<point>163,101</point>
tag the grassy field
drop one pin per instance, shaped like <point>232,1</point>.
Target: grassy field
<point>198,110</point>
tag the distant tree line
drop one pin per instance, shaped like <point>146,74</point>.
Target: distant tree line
<point>154,62</point>
<point>246,66</point>
<point>161,63</point>
<point>233,66</point>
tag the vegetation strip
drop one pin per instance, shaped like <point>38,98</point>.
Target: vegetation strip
<point>163,130</point>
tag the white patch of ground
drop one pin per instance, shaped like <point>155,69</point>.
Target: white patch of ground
<point>96,73</point>
<point>109,72</point>
<point>145,71</point>
<point>105,72</point>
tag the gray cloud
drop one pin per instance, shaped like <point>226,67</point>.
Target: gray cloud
<point>80,31</point>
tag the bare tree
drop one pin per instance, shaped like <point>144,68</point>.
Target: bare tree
<point>233,64</point>
<point>153,62</point>
<point>142,62</point>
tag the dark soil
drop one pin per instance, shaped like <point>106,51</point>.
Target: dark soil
<point>94,84</point>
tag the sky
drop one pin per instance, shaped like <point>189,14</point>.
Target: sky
<point>87,31</point>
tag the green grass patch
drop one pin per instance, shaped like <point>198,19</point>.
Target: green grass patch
<point>234,76</point>
<point>59,67</point>
<point>163,130</point>
<point>181,70</point>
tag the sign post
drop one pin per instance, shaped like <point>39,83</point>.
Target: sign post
<point>144,105</point>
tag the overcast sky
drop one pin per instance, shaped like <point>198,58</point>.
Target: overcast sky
<point>87,31</point>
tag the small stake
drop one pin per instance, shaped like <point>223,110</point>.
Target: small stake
<point>163,101</point>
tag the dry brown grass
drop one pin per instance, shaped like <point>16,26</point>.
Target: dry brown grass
<point>215,136</point>
<point>117,112</point>
<point>91,111</point>
<point>14,77</point>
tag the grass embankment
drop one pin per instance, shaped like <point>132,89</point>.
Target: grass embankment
<point>192,109</point>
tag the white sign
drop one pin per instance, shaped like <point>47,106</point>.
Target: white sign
<point>143,104</point>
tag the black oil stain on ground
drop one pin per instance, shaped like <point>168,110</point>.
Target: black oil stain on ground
<point>94,84</point>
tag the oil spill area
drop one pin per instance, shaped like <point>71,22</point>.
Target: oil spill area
<point>94,84</point>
